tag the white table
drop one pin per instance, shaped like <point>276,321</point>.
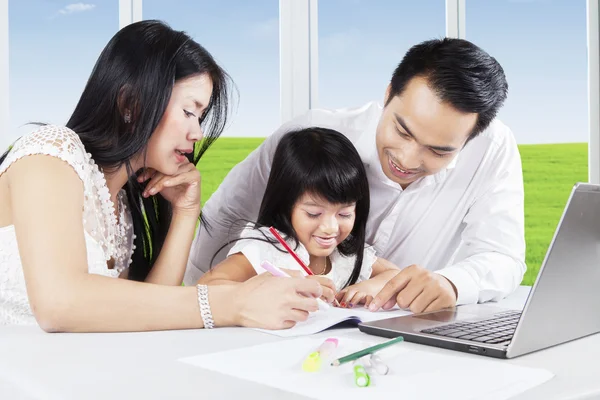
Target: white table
<point>38,365</point>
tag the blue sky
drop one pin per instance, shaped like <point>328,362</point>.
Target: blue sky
<point>541,44</point>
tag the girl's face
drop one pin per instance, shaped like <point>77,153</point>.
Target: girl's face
<point>321,225</point>
<point>179,128</point>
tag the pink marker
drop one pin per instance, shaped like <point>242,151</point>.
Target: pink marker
<point>328,346</point>
<point>273,270</point>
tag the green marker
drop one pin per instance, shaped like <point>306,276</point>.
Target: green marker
<point>367,351</point>
<point>361,377</point>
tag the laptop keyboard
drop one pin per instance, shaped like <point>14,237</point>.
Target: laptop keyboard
<point>498,329</point>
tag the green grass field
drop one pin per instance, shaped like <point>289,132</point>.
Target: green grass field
<point>549,172</point>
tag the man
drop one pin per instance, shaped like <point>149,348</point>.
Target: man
<point>445,179</point>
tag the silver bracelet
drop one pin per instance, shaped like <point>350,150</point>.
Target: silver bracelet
<point>205,307</point>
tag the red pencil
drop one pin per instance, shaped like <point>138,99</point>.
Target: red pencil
<point>289,249</point>
<point>293,254</point>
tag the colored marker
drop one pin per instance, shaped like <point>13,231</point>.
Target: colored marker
<point>313,362</point>
<point>378,365</point>
<point>361,377</point>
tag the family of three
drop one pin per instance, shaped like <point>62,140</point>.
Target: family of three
<point>416,203</point>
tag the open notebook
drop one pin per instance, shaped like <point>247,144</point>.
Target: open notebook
<point>324,319</point>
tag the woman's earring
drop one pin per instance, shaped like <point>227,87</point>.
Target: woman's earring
<point>127,116</point>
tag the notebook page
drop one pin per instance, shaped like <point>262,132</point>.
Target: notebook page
<point>321,320</point>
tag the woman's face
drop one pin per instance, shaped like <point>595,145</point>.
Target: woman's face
<point>179,127</point>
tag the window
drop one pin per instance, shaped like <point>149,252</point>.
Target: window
<point>362,41</point>
<point>243,37</point>
<point>53,47</point>
<point>542,47</point>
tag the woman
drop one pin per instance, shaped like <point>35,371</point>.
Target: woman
<point>116,194</point>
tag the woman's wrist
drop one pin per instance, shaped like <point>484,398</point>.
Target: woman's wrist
<point>186,213</point>
<point>223,306</point>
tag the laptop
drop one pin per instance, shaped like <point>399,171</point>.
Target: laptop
<point>563,304</point>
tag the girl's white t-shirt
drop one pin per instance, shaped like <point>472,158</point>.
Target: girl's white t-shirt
<point>253,246</point>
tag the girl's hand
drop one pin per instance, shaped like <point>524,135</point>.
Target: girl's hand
<point>363,293</point>
<point>268,302</point>
<point>355,295</point>
<point>182,189</point>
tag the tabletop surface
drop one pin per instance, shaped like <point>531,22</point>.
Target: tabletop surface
<point>38,365</point>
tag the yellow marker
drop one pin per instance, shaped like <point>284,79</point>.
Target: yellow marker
<point>313,362</point>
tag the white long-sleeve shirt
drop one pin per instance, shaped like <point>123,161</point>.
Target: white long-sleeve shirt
<point>466,222</point>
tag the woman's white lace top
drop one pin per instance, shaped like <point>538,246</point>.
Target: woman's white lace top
<point>257,251</point>
<point>105,236</point>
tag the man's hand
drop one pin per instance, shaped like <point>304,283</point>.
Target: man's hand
<point>417,289</point>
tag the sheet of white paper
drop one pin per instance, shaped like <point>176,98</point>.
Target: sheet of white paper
<point>413,374</point>
<point>322,320</point>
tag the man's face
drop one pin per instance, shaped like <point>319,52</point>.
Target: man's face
<point>418,135</point>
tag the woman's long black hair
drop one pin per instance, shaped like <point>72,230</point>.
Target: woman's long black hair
<point>324,163</point>
<point>137,71</point>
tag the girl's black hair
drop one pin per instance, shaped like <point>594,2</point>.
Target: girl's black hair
<point>324,163</point>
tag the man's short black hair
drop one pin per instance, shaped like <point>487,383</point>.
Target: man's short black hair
<point>460,73</point>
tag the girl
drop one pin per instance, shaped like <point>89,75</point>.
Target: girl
<point>317,197</point>
<point>116,193</point>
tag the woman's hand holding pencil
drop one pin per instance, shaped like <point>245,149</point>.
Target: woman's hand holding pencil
<point>273,270</point>
<point>329,292</point>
